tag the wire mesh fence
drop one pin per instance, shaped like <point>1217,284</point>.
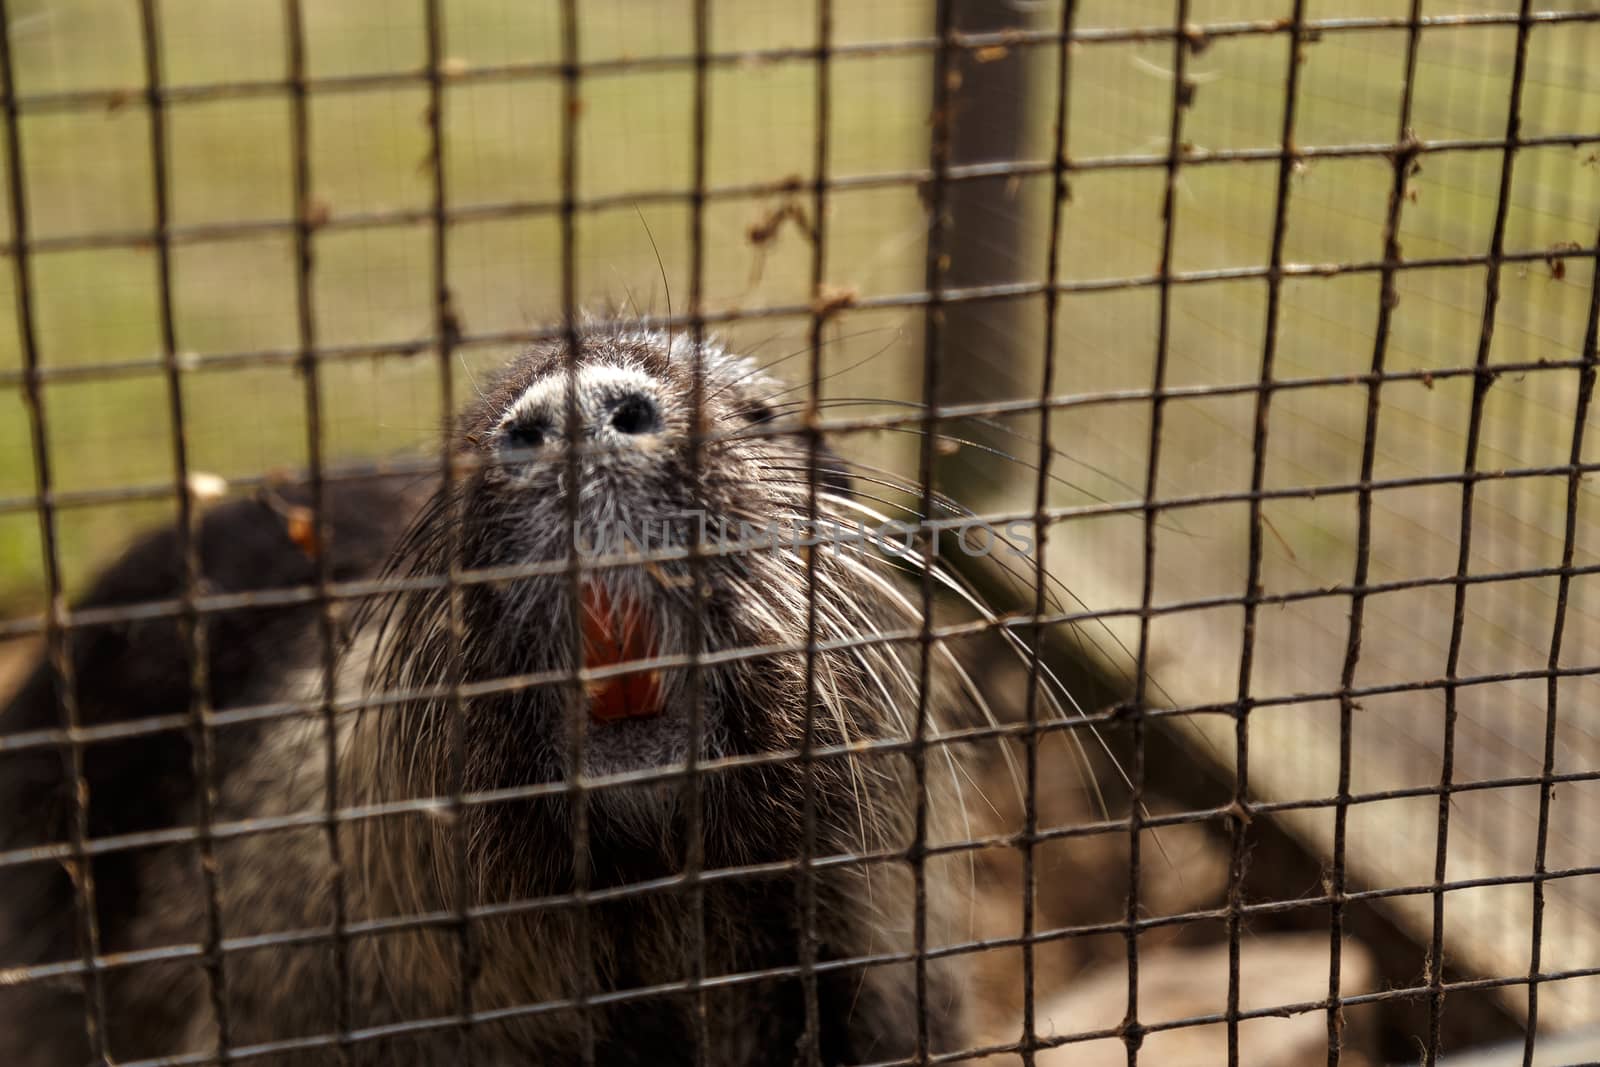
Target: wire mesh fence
<point>911,533</point>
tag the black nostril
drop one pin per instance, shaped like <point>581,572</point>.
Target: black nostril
<point>635,414</point>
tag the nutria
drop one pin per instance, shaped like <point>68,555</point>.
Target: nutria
<point>410,861</point>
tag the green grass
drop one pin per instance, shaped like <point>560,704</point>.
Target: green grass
<point>1350,94</point>
<point>230,161</point>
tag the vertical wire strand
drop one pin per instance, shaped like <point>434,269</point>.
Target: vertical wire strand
<point>694,860</point>
<point>1240,808</point>
<point>823,118</point>
<point>447,335</point>
<point>1569,541</point>
<point>944,89</point>
<point>1482,380</point>
<point>191,625</point>
<point>306,335</point>
<point>1041,528</point>
<point>578,796</point>
<point>1132,1030</point>
<point>56,636</point>
<point>1389,298</point>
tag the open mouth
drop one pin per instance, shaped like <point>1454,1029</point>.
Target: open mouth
<point>616,631</point>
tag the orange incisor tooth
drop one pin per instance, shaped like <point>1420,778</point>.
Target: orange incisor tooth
<point>615,633</point>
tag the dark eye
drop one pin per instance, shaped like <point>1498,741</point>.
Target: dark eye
<point>757,412</point>
<point>525,435</point>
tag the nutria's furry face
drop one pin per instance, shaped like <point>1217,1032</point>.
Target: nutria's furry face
<point>640,488</point>
<point>639,491</point>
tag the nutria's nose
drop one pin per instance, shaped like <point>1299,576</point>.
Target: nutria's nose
<point>633,413</point>
<point>616,405</point>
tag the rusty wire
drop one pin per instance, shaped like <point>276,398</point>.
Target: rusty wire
<point>195,605</point>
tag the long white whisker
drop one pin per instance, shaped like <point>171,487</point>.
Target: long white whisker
<point>1006,633</point>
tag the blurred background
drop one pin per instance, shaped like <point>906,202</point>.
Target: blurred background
<point>85,136</point>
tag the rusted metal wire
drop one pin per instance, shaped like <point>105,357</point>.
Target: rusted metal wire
<point>58,653</point>
<point>820,162</point>
<point>1565,573</point>
<point>1250,597</point>
<point>449,338</point>
<point>446,919</point>
<point>577,788</point>
<point>942,120</point>
<point>191,626</point>
<point>101,99</point>
<point>955,173</point>
<point>271,824</point>
<point>447,330</point>
<point>1388,300</point>
<point>357,591</point>
<point>424,1026</point>
<point>1041,534</point>
<point>1008,291</point>
<point>1469,465</point>
<point>316,466</point>
<point>693,779</point>
<point>1132,1030</point>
